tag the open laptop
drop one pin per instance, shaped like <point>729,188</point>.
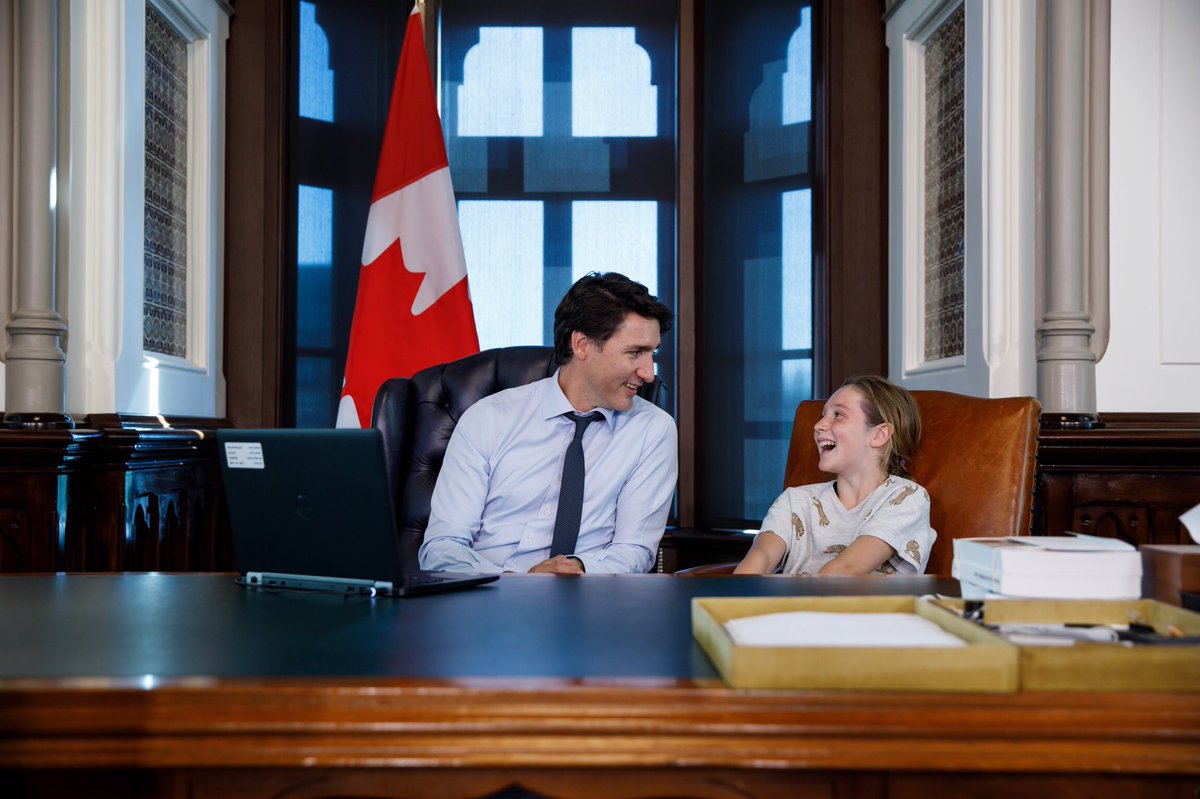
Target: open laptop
<point>311,509</point>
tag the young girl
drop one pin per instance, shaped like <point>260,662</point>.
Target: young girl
<point>872,519</point>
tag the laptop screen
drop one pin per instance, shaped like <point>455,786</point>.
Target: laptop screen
<point>310,502</point>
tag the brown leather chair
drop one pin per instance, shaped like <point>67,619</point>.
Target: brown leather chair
<point>976,458</point>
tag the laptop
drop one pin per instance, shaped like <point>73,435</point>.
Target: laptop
<point>311,509</point>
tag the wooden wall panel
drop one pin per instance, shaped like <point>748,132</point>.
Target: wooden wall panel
<point>255,211</point>
<point>850,101</point>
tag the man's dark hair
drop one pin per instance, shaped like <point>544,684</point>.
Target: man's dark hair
<point>597,305</point>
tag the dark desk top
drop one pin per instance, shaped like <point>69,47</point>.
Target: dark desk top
<point>187,625</point>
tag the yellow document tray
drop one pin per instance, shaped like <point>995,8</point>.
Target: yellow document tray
<point>1102,667</point>
<point>987,663</point>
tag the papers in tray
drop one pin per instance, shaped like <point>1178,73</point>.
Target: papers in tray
<point>1051,567</point>
<point>809,629</point>
<point>986,663</point>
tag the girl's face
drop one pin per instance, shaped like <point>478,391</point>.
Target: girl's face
<point>847,443</point>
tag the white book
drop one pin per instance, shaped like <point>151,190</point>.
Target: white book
<point>1041,586</point>
<point>1059,567</point>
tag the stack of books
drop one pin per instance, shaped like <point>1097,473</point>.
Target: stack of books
<point>1048,567</point>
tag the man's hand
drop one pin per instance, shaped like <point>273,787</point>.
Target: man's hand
<point>560,564</point>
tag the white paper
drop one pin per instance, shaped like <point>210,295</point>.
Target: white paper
<point>1073,542</point>
<point>802,628</point>
<point>1191,520</point>
<point>244,455</point>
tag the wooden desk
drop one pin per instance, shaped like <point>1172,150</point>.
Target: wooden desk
<point>188,685</point>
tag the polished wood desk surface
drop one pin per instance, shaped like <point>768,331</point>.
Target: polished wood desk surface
<point>596,677</point>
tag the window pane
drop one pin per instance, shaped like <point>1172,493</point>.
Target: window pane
<point>561,144</point>
<point>314,261</point>
<point>316,78</point>
<point>758,251</point>
<point>797,80</point>
<point>945,93</point>
<point>616,237</point>
<point>165,257</point>
<point>501,94</point>
<point>503,245</point>
<point>313,376</point>
<point>797,270</point>
<point>611,93</point>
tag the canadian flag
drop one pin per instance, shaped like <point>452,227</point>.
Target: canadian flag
<point>412,309</point>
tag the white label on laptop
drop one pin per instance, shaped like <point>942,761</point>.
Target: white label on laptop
<point>244,455</point>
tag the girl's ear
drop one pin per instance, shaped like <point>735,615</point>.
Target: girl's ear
<point>881,435</point>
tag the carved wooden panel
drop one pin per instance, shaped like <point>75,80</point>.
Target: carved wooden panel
<point>173,520</point>
<point>1113,521</point>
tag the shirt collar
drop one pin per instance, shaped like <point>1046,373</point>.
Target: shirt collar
<point>555,403</point>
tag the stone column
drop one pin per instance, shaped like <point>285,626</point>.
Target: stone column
<point>1075,257</point>
<point>35,363</point>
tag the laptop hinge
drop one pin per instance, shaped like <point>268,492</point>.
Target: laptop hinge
<point>310,582</point>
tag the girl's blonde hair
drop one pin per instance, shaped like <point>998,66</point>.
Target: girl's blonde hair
<point>884,401</point>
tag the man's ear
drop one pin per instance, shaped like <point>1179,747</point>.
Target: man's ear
<point>580,345</point>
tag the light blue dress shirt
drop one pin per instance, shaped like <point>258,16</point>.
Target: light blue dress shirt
<point>496,496</point>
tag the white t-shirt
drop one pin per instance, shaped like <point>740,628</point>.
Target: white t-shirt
<point>817,528</point>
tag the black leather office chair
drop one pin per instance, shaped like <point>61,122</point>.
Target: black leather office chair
<point>417,415</point>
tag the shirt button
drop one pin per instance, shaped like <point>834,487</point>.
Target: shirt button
<point>546,513</point>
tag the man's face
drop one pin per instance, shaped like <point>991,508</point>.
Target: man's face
<point>613,370</point>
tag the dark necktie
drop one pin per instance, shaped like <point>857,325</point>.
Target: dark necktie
<point>570,494</point>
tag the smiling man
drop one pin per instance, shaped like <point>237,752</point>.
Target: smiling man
<point>573,473</point>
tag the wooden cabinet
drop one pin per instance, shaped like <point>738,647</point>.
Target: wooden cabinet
<point>124,494</point>
<point>1130,479</point>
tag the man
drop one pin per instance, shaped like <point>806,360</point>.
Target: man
<point>497,505</point>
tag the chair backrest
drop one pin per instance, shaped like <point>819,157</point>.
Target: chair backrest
<point>976,458</point>
<point>417,416</point>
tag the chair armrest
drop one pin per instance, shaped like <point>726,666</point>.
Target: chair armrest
<point>708,570</point>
